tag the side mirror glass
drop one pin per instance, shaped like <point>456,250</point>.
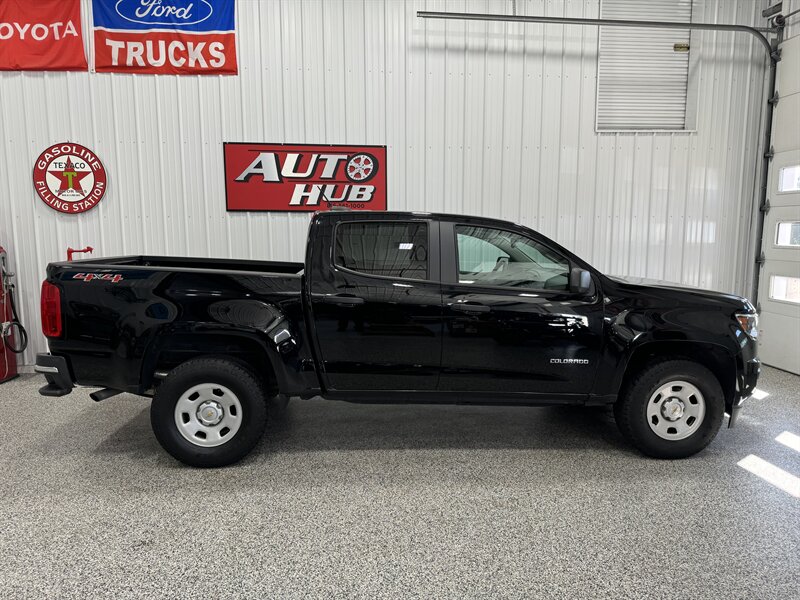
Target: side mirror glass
<point>580,281</point>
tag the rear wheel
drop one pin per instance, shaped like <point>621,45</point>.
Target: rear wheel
<point>209,412</point>
<point>671,409</point>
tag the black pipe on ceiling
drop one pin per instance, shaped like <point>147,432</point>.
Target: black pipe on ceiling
<point>424,14</point>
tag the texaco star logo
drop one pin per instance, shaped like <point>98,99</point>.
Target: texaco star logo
<point>69,178</point>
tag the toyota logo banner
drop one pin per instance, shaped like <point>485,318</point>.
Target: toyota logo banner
<point>299,177</point>
<point>41,36</point>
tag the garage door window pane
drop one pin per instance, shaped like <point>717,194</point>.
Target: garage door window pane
<point>784,288</point>
<point>789,179</point>
<point>788,233</point>
<point>387,249</point>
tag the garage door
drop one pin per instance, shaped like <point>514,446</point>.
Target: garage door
<point>779,287</point>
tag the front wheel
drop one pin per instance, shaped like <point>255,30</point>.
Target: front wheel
<point>209,412</point>
<point>671,409</point>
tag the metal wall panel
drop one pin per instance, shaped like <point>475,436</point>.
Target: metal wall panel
<point>493,119</point>
<point>793,23</point>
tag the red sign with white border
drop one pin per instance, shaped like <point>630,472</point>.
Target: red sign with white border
<point>304,177</point>
<point>69,178</point>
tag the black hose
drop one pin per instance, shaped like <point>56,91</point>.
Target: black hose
<point>21,333</point>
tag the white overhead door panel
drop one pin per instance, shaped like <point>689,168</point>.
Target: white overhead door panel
<point>786,136</point>
<point>642,78</point>
<point>779,283</point>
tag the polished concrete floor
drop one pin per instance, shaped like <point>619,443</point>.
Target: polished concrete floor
<point>346,500</point>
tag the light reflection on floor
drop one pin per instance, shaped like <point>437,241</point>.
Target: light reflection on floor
<point>789,440</point>
<point>771,474</point>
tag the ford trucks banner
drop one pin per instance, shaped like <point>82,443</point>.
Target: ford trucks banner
<point>297,177</point>
<point>165,36</point>
<point>44,35</point>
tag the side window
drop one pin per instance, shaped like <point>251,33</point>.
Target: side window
<point>501,258</point>
<point>387,249</point>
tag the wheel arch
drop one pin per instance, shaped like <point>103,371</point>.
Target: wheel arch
<point>241,347</point>
<point>714,357</point>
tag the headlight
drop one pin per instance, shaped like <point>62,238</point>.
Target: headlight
<point>749,323</point>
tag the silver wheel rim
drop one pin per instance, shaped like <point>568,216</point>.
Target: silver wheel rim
<point>676,410</point>
<point>359,167</point>
<point>208,415</point>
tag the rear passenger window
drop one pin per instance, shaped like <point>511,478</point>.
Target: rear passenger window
<point>387,249</point>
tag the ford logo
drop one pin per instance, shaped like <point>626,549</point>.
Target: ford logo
<point>164,12</point>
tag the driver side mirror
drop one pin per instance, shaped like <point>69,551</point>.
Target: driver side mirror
<point>580,281</point>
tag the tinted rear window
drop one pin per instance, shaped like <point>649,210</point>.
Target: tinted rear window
<point>387,249</point>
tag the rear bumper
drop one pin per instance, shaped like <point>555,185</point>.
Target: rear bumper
<point>56,372</point>
<point>746,384</point>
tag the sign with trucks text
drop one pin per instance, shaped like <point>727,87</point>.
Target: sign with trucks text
<point>301,177</point>
<point>176,37</point>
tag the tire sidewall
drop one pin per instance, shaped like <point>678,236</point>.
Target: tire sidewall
<point>639,395</point>
<point>227,373</point>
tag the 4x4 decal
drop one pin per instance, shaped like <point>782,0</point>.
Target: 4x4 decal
<point>87,277</point>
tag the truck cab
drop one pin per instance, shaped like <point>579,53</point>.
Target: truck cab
<point>470,308</point>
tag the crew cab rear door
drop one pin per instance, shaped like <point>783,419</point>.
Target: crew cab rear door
<point>511,323</point>
<point>376,305</point>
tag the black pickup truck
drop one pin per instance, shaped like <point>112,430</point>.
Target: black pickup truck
<point>395,307</point>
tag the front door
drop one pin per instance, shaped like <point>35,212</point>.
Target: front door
<point>511,323</point>
<point>376,305</point>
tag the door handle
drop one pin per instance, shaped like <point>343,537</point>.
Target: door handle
<point>470,307</point>
<point>343,300</point>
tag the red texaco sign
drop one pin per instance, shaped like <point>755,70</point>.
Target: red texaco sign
<point>69,178</point>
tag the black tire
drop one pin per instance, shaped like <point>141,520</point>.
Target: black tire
<point>249,391</point>
<point>630,411</point>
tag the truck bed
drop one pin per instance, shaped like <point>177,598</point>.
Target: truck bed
<point>127,313</point>
<point>180,263</point>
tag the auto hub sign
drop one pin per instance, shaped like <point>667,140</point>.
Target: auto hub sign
<point>282,177</point>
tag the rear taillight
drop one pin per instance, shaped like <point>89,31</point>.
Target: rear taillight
<point>51,310</point>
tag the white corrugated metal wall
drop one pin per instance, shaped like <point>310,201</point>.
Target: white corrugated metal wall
<point>793,23</point>
<point>484,118</point>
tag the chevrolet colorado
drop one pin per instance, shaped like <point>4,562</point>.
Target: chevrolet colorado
<point>395,307</point>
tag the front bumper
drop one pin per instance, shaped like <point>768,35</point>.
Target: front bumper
<point>56,372</point>
<point>746,384</point>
